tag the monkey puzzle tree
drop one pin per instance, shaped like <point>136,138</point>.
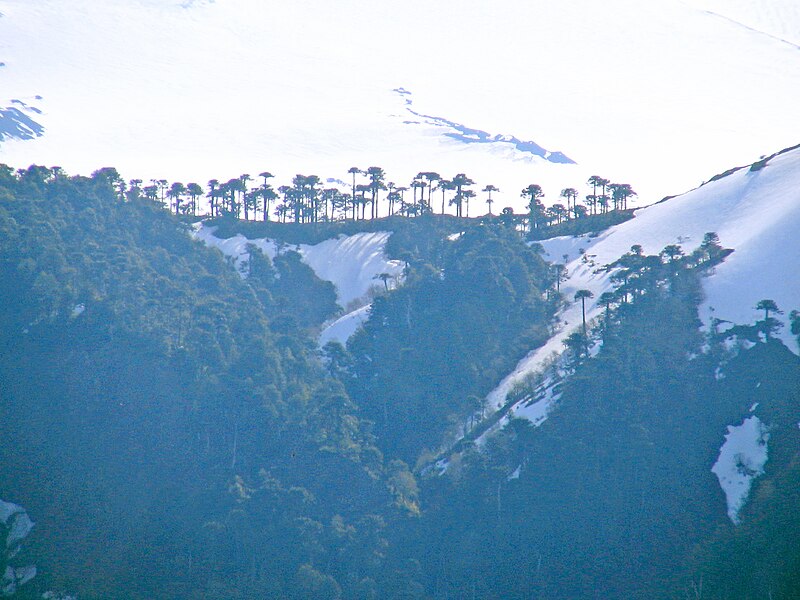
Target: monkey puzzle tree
<point>569,194</point>
<point>213,194</point>
<point>583,295</point>
<point>195,191</point>
<point>489,189</point>
<point>431,177</point>
<point>770,325</point>
<point>535,207</point>
<point>444,185</point>
<point>460,182</point>
<point>376,183</point>
<point>354,171</point>
<point>620,192</point>
<point>175,192</point>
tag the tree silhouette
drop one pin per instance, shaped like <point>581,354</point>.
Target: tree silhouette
<point>620,192</point>
<point>535,207</point>
<point>607,299</point>
<point>768,306</point>
<point>672,252</point>
<point>268,195</point>
<point>569,194</point>
<point>583,295</point>
<point>175,192</point>
<point>135,191</point>
<point>596,182</point>
<point>431,177</point>
<point>162,189</point>
<point>354,171</point>
<point>401,191</point>
<point>560,272</point>
<point>418,184</point>
<point>460,182</point>
<point>490,188</point>
<point>195,191</point>
<point>213,194</point>
<point>242,189</point>
<point>376,178</point>
<point>361,199</point>
<point>392,196</point>
<point>384,277</point>
<point>444,185</point>
<point>465,196</point>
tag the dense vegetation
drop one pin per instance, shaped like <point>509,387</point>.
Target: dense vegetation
<point>437,345</point>
<point>175,432</point>
<point>161,418</point>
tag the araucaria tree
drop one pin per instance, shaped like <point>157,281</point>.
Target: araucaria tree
<point>535,207</point>
<point>583,295</point>
<point>569,194</point>
<point>376,183</point>
<point>460,182</point>
<point>770,325</point>
<point>490,188</point>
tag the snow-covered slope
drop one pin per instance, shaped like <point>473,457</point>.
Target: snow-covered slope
<point>352,263</point>
<point>779,19</point>
<point>754,212</point>
<point>194,90</point>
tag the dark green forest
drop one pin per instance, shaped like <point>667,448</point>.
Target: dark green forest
<point>175,432</point>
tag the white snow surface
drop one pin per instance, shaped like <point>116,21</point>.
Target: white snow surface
<point>741,459</point>
<point>343,327</point>
<point>18,521</point>
<point>194,90</point>
<point>351,263</point>
<point>18,525</point>
<point>756,213</point>
<point>779,19</point>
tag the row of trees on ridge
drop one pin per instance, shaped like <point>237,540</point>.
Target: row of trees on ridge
<point>370,196</point>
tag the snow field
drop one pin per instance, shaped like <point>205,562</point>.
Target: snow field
<point>757,213</point>
<point>189,90</point>
<point>352,263</point>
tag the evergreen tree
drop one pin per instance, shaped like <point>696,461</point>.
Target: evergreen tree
<point>570,194</point>
<point>535,207</point>
<point>583,295</point>
<point>376,183</point>
<point>460,182</point>
<point>489,189</point>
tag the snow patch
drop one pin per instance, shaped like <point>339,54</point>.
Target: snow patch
<point>755,213</point>
<point>352,263</point>
<point>741,459</point>
<point>343,327</point>
<point>17,525</point>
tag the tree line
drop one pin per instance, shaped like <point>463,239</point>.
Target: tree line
<point>368,195</point>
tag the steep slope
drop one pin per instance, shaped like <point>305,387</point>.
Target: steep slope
<point>779,19</point>
<point>152,402</point>
<point>353,263</point>
<point>753,209</point>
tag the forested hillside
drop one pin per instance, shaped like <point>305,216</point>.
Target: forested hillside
<point>171,425</point>
<point>161,418</point>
